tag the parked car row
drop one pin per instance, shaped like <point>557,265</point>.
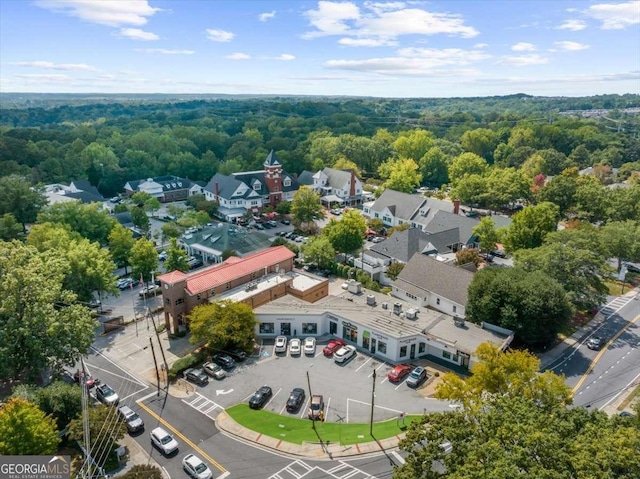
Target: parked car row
<point>296,399</point>
<point>217,368</point>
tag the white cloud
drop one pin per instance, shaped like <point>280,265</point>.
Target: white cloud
<point>263,17</point>
<point>367,42</point>
<point>382,21</point>
<point>285,57</point>
<point>481,45</point>
<point>523,60</point>
<point>165,51</point>
<point>615,16</point>
<point>238,56</point>
<point>573,25</point>
<point>137,34</point>
<point>111,13</point>
<point>523,47</point>
<point>219,35</point>
<point>46,77</point>
<point>415,62</point>
<point>57,66</point>
<point>571,46</point>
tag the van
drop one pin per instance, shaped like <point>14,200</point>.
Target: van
<point>316,408</point>
<point>130,417</point>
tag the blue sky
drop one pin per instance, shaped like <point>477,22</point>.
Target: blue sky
<point>371,48</point>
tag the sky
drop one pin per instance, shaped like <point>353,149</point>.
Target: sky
<point>357,48</point>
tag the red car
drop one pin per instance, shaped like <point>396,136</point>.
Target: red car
<point>398,373</point>
<point>332,347</point>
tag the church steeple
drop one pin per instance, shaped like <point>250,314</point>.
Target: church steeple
<point>273,178</point>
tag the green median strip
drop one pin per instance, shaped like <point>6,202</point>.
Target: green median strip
<point>298,431</point>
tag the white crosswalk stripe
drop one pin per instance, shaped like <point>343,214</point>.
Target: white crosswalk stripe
<point>300,469</point>
<point>204,405</point>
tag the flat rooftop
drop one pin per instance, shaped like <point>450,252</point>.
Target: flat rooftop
<point>254,287</point>
<point>354,307</point>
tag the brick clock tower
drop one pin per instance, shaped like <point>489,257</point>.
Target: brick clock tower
<point>273,178</point>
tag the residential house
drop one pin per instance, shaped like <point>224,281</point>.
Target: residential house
<point>340,187</point>
<point>395,208</point>
<point>77,190</point>
<point>248,192</point>
<point>164,188</point>
<point>427,282</point>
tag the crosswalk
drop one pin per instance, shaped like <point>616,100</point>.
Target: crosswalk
<point>204,405</point>
<point>615,305</point>
<point>300,469</point>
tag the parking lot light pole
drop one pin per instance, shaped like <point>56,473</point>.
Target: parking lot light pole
<point>313,421</point>
<point>373,397</point>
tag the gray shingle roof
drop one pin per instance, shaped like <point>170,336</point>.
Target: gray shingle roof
<point>306,177</point>
<point>443,221</point>
<point>402,245</point>
<point>427,274</point>
<point>168,183</point>
<point>337,178</point>
<point>226,185</point>
<point>402,205</point>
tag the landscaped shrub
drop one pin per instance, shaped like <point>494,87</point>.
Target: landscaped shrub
<point>186,362</point>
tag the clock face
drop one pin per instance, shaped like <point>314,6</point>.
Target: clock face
<point>166,286</point>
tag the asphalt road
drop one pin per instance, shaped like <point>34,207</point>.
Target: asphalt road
<point>599,377</point>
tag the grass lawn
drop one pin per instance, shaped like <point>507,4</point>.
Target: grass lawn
<point>616,287</point>
<point>297,431</point>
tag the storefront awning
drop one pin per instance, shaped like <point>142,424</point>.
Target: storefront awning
<point>332,199</point>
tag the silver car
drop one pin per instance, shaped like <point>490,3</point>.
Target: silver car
<point>195,467</point>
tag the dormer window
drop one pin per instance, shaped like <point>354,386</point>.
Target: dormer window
<point>256,186</point>
<point>287,182</point>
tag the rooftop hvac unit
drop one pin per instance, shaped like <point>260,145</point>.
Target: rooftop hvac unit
<point>397,308</point>
<point>411,314</point>
<point>371,300</point>
<point>385,305</point>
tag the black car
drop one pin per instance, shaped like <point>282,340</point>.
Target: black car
<point>237,354</point>
<point>260,397</point>
<point>196,376</point>
<point>323,273</point>
<point>223,360</point>
<point>285,222</point>
<point>499,253</point>
<point>258,226</point>
<point>296,400</point>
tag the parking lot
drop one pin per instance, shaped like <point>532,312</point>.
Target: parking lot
<point>347,389</point>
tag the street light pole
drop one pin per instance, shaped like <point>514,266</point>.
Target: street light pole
<point>373,397</point>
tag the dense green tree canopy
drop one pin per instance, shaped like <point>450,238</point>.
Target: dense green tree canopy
<point>60,400</point>
<point>41,325</point>
<point>177,258</point>
<point>19,199</point>
<point>530,226</point>
<point>306,207</point>
<point>503,296</point>
<point>88,220</point>
<point>26,430</point>
<point>319,250</point>
<point>222,322</point>
<point>347,235</point>
<point>400,174</point>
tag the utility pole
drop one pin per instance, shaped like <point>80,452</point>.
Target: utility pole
<point>373,398</point>
<point>164,358</point>
<point>86,436</point>
<point>153,352</point>
<point>313,420</point>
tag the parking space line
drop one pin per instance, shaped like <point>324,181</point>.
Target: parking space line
<point>272,398</point>
<point>401,383</point>
<point>328,403</point>
<point>375,405</point>
<point>399,458</point>
<point>283,408</point>
<point>363,364</point>
<point>304,409</point>
<point>384,380</point>
<point>381,365</point>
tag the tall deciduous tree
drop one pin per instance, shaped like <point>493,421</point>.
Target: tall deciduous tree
<point>222,322</point>
<point>513,423</point>
<point>578,268</point>
<point>177,258</point>
<point>400,174</point>
<point>88,220</point>
<point>466,164</point>
<point>10,229</point>
<point>90,267</point>
<point>60,400</point>
<point>433,167</point>
<point>622,240</point>
<point>413,144</point>
<point>139,218</point>
<point>347,235</point>
<point>561,191</point>
<point>143,259</point>
<point>486,233</point>
<point>319,250</point>
<point>530,226</point>
<point>41,326</point>
<point>306,208</point>
<point>20,199</point>
<point>120,243</point>
<point>26,430</point>
<point>480,141</point>
<point>503,296</point>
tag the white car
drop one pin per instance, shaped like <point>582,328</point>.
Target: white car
<point>344,354</point>
<point>310,346</point>
<point>195,467</point>
<point>295,346</point>
<point>163,441</point>
<point>281,344</point>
